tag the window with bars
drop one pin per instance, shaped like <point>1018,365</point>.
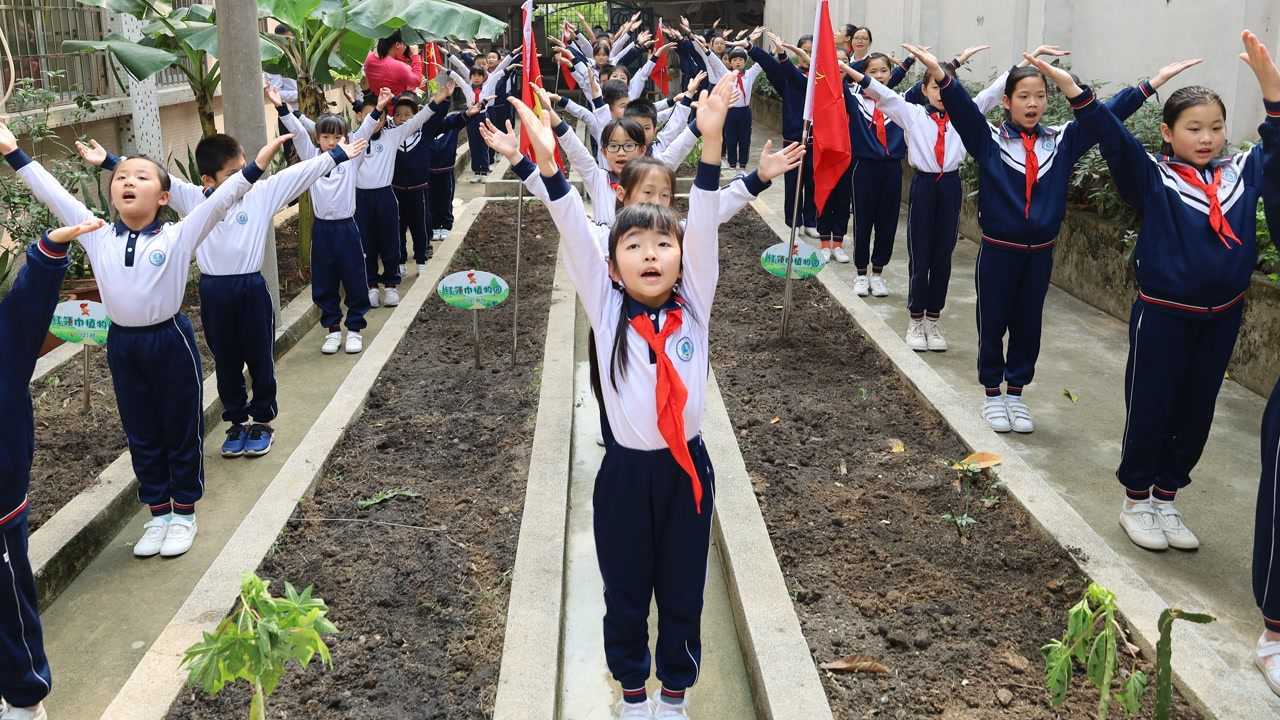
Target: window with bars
<point>35,30</point>
<point>170,77</point>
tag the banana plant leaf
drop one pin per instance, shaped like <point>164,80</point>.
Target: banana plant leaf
<point>423,20</point>
<point>138,60</point>
<point>134,8</point>
<point>296,13</point>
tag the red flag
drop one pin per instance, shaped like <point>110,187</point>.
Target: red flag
<point>824,107</point>
<point>530,75</point>
<point>567,65</point>
<point>433,61</point>
<point>661,75</point>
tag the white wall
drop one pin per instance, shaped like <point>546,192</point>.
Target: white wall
<point>1118,41</point>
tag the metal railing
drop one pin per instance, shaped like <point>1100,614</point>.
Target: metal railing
<point>171,77</point>
<point>36,30</point>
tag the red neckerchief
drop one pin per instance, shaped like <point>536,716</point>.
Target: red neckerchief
<point>671,395</point>
<point>882,135</point>
<point>478,92</point>
<point>1032,167</point>
<point>940,145</point>
<point>741,88</point>
<point>1217,221</point>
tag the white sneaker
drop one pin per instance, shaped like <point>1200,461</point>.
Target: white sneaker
<point>332,342</point>
<point>637,711</point>
<point>933,335</point>
<point>1019,414</point>
<point>402,269</point>
<point>1175,531</point>
<point>878,288</point>
<point>826,254</point>
<point>375,297</point>
<point>152,539</point>
<point>422,268</point>
<point>1142,526</point>
<point>355,343</point>
<point>861,286</point>
<point>390,297</point>
<point>663,710</point>
<point>182,532</point>
<point>1267,659</point>
<point>8,712</point>
<point>916,339</point>
<point>811,232</point>
<point>996,414</point>
<point>444,234</point>
<point>839,254</point>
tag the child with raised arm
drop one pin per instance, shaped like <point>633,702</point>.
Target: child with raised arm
<point>649,304</point>
<point>141,265</point>
<point>25,313</point>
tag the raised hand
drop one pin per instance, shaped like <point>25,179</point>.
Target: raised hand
<point>64,235</point>
<point>773,164</point>
<point>1051,50</point>
<point>644,37</point>
<point>547,101</point>
<point>1168,72</point>
<point>384,96</point>
<point>272,95</point>
<point>269,150</point>
<point>8,143</point>
<point>742,33</point>
<point>969,52</point>
<point>853,74</point>
<point>1059,76</point>
<point>1259,60</point>
<point>756,34</point>
<point>696,83</point>
<point>927,59</point>
<point>541,136</point>
<point>506,144</point>
<point>714,106</point>
<point>353,149</point>
<point>92,152</point>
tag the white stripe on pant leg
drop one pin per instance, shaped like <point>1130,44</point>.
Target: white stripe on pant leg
<point>195,369</point>
<point>977,283</point>
<point>271,356</point>
<point>22,626</point>
<point>1275,464</point>
<point>911,257</point>
<point>1133,382</point>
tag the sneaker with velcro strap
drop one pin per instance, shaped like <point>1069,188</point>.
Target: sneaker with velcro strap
<point>1140,523</point>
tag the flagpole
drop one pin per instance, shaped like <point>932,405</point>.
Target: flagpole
<point>515,287</point>
<point>795,223</point>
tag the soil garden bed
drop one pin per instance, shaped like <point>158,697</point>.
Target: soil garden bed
<point>421,610</point>
<point>871,564</point>
<point>69,460</point>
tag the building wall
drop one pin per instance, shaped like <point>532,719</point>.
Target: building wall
<point>1115,42</point>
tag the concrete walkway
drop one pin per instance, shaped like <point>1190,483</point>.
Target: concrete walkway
<point>1076,445</point>
<point>119,604</point>
<point>587,690</point>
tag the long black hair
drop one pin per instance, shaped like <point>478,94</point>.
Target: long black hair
<point>1184,99</point>
<point>1016,76</point>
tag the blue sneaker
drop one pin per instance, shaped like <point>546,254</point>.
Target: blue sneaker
<point>233,446</point>
<point>259,439</point>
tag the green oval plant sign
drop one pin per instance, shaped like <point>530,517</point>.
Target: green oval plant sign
<point>473,290</point>
<point>80,321</point>
<point>806,263</point>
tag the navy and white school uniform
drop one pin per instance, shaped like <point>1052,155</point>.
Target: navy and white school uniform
<point>1195,255</point>
<point>737,125</point>
<point>25,313</point>
<point>337,249</point>
<point>655,491</point>
<point>411,179</point>
<point>791,83</point>
<point>444,156</point>
<point>377,212</point>
<point>1266,543</point>
<point>480,158</point>
<point>1022,199</point>
<point>879,146</point>
<point>151,348</point>
<point>935,151</point>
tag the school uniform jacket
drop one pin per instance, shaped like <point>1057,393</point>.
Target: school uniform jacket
<point>1181,263</point>
<point>413,158</point>
<point>631,406</point>
<point>333,195</point>
<point>921,130</point>
<point>1003,213</point>
<point>380,155</point>
<point>142,274</point>
<point>791,83</point>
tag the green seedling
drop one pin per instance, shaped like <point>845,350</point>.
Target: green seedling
<point>1092,636</point>
<point>384,495</point>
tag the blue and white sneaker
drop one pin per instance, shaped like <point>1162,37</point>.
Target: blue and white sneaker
<point>258,440</point>
<point>233,446</point>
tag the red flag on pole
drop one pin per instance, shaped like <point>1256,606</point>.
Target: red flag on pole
<point>824,107</point>
<point>661,75</point>
<point>433,61</point>
<point>567,73</point>
<point>530,76</point>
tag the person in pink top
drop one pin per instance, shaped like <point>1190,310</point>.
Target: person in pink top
<point>393,64</point>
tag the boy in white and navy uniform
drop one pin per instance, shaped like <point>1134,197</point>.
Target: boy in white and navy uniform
<point>377,213</point>
<point>151,349</point>
<point>737,127</point>
<point>236,310</point>
<point>337,250</point>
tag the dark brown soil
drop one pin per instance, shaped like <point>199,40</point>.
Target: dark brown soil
<point>72,448</point>
<point>421,610</point>
<point>873,567</point>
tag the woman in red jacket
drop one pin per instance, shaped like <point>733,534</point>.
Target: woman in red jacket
<point>393,65</point>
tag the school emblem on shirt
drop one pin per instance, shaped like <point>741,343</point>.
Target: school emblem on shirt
<point>341,170</point>
<point>156,257</point>
<point>684,349</point>
<point>378,148</point>
<point>1229,175</point>
<point>242,218</point>
<point>1046,144</point>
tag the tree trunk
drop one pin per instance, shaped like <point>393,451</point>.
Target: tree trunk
<point>204,108</point>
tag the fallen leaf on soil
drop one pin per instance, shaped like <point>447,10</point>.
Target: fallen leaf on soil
<point>775,421</point>
<point>1015,661</point>
<point>856,663</point>
<point>897,446</point>
<point>844,469</point>
<point>978,461</point>
<point>1070,396</point>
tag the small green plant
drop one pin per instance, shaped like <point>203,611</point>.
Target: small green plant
<point>258,640</point>
<point>384,495</point>
<point>1092,637</point>
<point>968,484</point>
<point>1164,657</point>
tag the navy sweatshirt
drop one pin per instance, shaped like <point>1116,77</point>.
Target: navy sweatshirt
<point>791,83</point>
<point>413,158</point>
<point>896,75</point>
<point>444,147</point>
<point>1179,259</point>
<point>999,153</point>
<point>862,129</point>
<point>25,314</point>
